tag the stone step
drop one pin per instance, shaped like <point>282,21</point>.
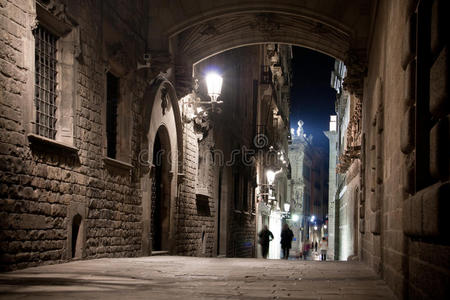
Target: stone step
<point>155,253</point>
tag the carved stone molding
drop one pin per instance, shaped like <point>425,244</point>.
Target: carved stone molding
<point>209,30</point>
<point>53,14</point>
<point>356,71</point>
<point>118,58</point>
<point>184,81</point>
<point>161,61</point>
<point>265,24</point>
<point>55,8</point>
<point>164,100</point>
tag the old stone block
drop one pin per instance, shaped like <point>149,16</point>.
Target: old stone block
<point>362,224</point>
<point>435,207</point>
<point>395,260</point>
<point>425,277</point>
<point>407,219</point>
<point>27,192</point>
<point>373,201</point>
<point>409,175</point>
<point>407,131</point>
<point>410,85</point>
<point>439,21</point>
<point>409,41</point>
<point>375,223</point>
<point>440,85</point>
<point>412,215</point>
<point>416,214</point>
<point>440,149</point>
<point>27,221</point>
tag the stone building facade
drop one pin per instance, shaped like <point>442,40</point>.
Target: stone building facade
<point>345,143</point>
<point>308,189</point>
<point>331,134</point>
<point>271,140</point>
<point>63,196</point>
<point>299,186</point>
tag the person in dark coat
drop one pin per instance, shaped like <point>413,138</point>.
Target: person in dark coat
<point>265,236</point>
<point>286,240</point>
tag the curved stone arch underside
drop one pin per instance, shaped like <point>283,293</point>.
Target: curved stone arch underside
<point>215,36</point>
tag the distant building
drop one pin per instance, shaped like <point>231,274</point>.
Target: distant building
<point>308,189</point>
<point>345,143</point>
<point>331,228</point>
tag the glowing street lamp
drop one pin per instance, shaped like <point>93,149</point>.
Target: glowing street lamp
<point>295,218</point>
<point>287,206</point>
<point>214,85</point>
<point>270,176</point>
<point>315,227</point>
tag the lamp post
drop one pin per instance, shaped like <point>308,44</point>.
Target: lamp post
<point>214,86</point>
<point>194,107</point>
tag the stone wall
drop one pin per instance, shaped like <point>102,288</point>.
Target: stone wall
<point>405,237</point>
<point>348,214</point>
<point>44,184</point>
<point>195,224</point>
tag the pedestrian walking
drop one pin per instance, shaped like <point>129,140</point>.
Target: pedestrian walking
<point>305,250</point>
<point>265,236</point>
<point>323,249</point>
<point>286,240</point>
<point>315,246</point>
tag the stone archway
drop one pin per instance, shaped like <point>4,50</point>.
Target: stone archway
<point>204,38</point>
<point>163,133</point>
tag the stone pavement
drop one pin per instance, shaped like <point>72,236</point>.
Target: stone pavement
<point>177,277</point>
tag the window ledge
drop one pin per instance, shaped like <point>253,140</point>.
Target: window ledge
<point>202,191</point>
<point>38,140</point>
<point>236,211</point>
<point>246,213</point>
<point>111,162</point>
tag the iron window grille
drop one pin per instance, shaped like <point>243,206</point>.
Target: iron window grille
<point>45,82</point>
<point>112,98</point>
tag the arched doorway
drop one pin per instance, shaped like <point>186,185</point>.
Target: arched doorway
<point>76,236</point>
<point>160,166</point>
<point>160,201</point>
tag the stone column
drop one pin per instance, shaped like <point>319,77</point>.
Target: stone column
<point>332,136</point>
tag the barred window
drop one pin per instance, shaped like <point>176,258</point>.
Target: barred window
<point>45,82</point>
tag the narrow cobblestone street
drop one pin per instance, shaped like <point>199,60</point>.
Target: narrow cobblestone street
<point>167,277</point>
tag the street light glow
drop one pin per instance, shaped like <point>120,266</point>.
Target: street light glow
<point>214,85</point>
<point>270,176</point>
<point>315,227</point>
<point>286,207</point>
<point>295,218</point>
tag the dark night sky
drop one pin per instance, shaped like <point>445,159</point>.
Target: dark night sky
<point>312,98</point>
